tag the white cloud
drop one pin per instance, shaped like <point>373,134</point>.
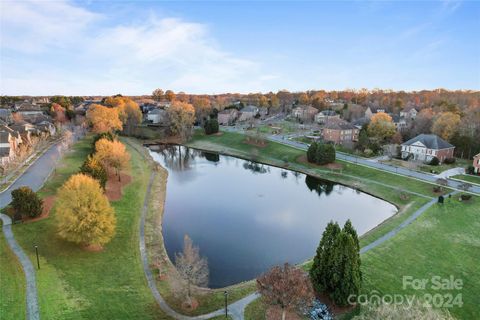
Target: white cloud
<point>132,58</point>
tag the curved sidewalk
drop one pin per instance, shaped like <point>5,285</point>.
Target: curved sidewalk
<point>32,301</point>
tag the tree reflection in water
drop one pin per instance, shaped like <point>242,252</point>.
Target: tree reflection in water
<point>319,186</point>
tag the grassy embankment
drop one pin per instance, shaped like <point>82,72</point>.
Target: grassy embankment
<point>12,284</point>
<point>468,178</point>
<point>78,284</point>
<point>441,242</point>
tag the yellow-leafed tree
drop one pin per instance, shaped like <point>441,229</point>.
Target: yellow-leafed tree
<point>446,124</point>
<point>83,213</point>
<point>381,126</point>
<point>112,154</point>
<point>182,117</point>
<point>104,119</point>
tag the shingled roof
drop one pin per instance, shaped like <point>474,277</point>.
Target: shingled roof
<point>339,125</point>
<point>431,141</point>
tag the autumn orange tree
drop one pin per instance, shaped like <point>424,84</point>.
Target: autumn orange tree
<point>446,124</point>
<point>287,286</point>
<point>112,154</point>
<point>83,213</point>
<point>381,126</point>
<point>182,117</point>
<point>103,119</point>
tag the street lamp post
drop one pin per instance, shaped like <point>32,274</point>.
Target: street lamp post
<point>225,293</point>
<point>38,260</point>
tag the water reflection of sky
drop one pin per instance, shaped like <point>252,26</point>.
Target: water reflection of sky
<point>247,217</point>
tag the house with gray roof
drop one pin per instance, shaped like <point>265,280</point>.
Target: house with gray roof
<point>6,116</point>
<point>425,147</point>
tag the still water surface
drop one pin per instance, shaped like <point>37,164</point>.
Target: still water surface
<point>247,217</point>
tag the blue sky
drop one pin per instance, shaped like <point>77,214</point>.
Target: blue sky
<point>77,47</point>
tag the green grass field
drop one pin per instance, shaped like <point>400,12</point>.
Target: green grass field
<point>77,284</point>
<point>12,284</point>
<point>468,178</point>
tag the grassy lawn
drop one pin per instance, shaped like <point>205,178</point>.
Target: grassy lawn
<point>468,178</point>
<point>256,310</point>
<point>442,242</point>
<point>77,284</point>
<point>428,168</point>
<point>12,284</point>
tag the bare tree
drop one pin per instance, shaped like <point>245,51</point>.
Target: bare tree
<point>191,266</point>
<point>286,286</point>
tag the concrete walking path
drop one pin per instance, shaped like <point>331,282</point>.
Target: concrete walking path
<point>32,301</point>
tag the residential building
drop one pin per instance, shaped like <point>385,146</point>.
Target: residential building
<point>248,112</point>
<point>305,113</point>
<point>409,113</point>
<point>425,147</point>
<point>340,132</point>
<point>360,122</point>
<point>6,116</point>
<point>400,122</point>
<point>373,110</point>
<point>476,163</point>
<point>157,116</point>
<point>326,115</point>
<point>227,117</point>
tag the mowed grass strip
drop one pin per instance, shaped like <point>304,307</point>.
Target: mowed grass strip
<point>468,178</point>
<point>12,284</point>
<point>77,284</point>
<point>443,242</point>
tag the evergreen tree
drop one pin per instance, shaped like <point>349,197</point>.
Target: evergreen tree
<point>211,126</point>
<point>95,169</point>
<point>346,277</point>
<point>322,267</point>
<point>312,152</point>
<point>26,202</point>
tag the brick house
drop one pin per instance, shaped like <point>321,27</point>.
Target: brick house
<point>247,113</point>
<point>227,116</point>
<point>425,147</point>
<point>476,164</point>
<point>373,110</point>
<point>304,113</point>
<point>340,132</point>
<point>325,116</point>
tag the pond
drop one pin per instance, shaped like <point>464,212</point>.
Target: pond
<point>247,217</point>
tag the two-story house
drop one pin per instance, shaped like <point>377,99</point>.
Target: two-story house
<point>476,164</point>
<point>340,132</point>
<point>425,147</point>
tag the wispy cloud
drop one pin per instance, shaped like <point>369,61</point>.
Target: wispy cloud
<point>166,52</point>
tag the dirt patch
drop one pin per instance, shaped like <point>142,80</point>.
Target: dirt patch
<point>219,133</point>
<point>114,186</point>
<point>256,142</point>
<point>48,203</point>
<point>332,166</point>
<point>93,248</point>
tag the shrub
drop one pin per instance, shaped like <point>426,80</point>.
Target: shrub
<point>321,153</point>
<point>95,169</point>
<point>465,197</point>
<point>26,202</point>
<point>211,126</point>
<point>471,170</point>
<point>449,160</point>
<point>434,161</point>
